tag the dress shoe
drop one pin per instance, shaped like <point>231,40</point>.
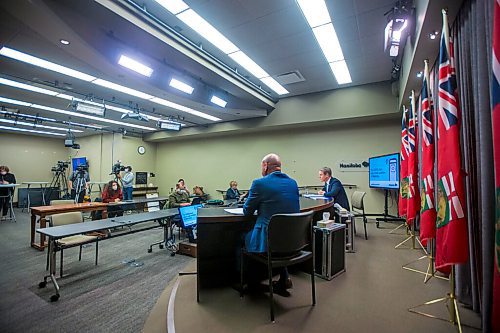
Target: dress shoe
<point>286,285</point>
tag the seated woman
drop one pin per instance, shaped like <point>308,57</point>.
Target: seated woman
<point>233,192</point>
<point>198,192</point>
<point>113,193</point>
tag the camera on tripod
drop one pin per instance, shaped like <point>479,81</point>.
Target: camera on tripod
<point>82,168</point>
<point>117,168</point>
<point>61,166</point>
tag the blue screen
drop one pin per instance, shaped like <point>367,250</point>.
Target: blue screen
<point>76,161</point>
<point>189,215</point>
<point>384,171</point>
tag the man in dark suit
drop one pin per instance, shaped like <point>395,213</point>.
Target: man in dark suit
<point>274,193</point>
<point>333,188</point>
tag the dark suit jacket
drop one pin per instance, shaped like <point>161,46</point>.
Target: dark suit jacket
<point>232,194</point>
<point>335,190</point>
<point>275,193</point>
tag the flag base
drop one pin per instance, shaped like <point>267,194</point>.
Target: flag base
<point>451,303</point>
<point>431,271</point>
<point>393,231</point>
<point>414,239</point>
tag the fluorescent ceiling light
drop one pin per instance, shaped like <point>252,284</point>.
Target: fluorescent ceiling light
<point>315,12</point>
<point>207,31</point>
<point>247,63</point>
<point>181,86</point>
<point>24,86</point>
<point>329,43</point>
<point>122,89</point>
<point>107,84</point>
<point>274,85</point>
<point>30,131</point>
<point>341,72</point>
<point>11,53</point>
<point>183,108</point>
<point>74,114</point>
<point>173,6</point>
<point>218,101</point>
<point>135,66</point>
<point>23,123</point>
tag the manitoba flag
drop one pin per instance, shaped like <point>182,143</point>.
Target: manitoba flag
<point>403,170</point>
<point>495,117</point>
<point>427,207</point>
<point>451,224</point>
<point>413,196</point>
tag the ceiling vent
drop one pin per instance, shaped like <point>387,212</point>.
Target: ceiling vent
<point>290,77</point>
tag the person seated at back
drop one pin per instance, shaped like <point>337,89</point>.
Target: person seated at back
<point>113,193</point>
<point>333,188</point>
<point>198,192</point>
<point>274,193</point>
<point>183,184</point>
<point>233,192</point>
<point>180,197</point>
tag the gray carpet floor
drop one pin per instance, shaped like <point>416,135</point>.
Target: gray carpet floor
<point>110,297</point>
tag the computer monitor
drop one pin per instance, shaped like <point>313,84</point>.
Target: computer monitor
<point>384,172</point>
<point>76,161</point>
<point>189,216</point>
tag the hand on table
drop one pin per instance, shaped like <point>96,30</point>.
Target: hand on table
<point>321,192</point>
<point>117,200</point>
<point>185,204</point>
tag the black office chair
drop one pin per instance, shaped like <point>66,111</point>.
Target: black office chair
<point>358,207</point>
<point>288,236</point>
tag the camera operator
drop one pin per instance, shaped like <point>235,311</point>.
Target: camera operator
<point>127,182</point>
<point>79,182</point>
<point>5,178</point>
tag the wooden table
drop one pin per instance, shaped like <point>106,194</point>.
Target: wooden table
<point>43,211</point>
<point>219,235</point>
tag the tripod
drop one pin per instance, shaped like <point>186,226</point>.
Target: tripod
<point>59,181</point>
<point>80,185</point>
<point>386,217</point>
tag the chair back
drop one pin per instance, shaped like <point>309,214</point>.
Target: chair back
<point>357,200</point>
<point>61,202</point>
<point>289,233</point>
<point>66,218</point>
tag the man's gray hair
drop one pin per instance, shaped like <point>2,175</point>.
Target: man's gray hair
<point>326,170</point>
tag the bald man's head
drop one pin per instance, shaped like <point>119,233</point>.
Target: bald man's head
<point>270,163</point>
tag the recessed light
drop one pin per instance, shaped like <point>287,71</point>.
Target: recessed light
<point>135,65</point>
<point>64,41</point>
<point>434,34</point>
<point>419,74</point>
<point>218,101</point>
<point>179,85</point>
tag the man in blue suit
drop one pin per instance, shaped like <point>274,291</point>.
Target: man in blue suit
<point>274,193</point>
<point>333,188</point>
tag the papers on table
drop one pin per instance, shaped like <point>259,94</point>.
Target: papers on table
<point>235,211</point>
<point>315,196</point>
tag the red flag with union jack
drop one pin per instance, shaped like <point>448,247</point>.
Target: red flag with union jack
<point>451,223</point>
<point>403,170</point>
<point>413,196</point>
<point>427,204</point>
<point>495,118</point>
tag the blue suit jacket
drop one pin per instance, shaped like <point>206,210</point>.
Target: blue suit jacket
<point>275,193</point>
<point>335,190</point>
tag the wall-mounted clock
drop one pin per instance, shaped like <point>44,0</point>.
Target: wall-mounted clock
<point>141,150</point>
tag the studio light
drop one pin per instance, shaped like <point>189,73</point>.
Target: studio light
<point>218,101</point>
<point>135,65</point>
<point>136,116</point>
<point>179,85</point>
<point>169,125</point>
<point>395,30</point>
<point>90,107</point>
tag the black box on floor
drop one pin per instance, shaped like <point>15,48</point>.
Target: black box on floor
<point>329,251</point>
<point>188,249</point>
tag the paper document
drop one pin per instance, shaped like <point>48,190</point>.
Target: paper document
<point>315,196</point>
<point>235,211</point>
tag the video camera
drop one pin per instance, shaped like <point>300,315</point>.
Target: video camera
<point>61,166</point>
<point>117,168</point>
<point>82,168</point>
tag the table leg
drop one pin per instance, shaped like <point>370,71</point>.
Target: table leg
<point>43,224</point>
<point>104,213</point>
<point>52,271</point>
<point>33,227</point>
<point>28,190</point>
<point>43,194</point>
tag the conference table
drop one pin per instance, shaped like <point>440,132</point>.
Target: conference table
<point>58,232</point>
<point>43,211</point>
<point>219,235</point>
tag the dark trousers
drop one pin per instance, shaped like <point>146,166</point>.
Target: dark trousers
<point>114,211</point>
<point>4,204</point>
<point>80,197</point>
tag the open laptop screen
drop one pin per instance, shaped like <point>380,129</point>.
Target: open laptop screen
<point>189,215</point>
